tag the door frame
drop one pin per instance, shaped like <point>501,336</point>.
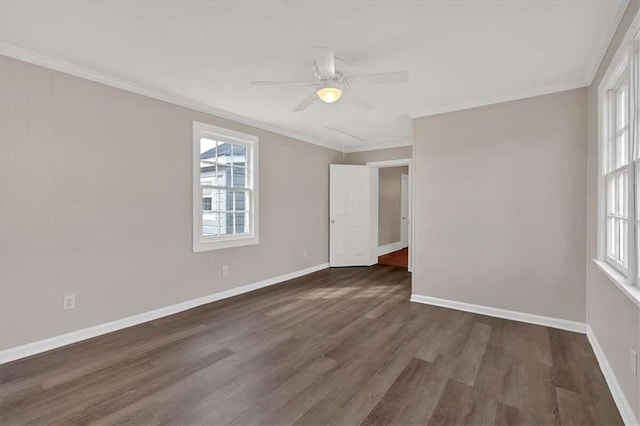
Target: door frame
<point>404,198</point>
<point>396,163</point>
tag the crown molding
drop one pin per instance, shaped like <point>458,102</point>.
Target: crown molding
<point>597,60</point>
<point>501,99</point>
<point>140,89</point>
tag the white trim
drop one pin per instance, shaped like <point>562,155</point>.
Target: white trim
<point>34,348</point>
<point>562,324</point>
<point>593,69</point>
<point>389,248</point>
<point>628,417</point>
<point>391,163</point>
<point>632,292</point>
<point>151,92</point>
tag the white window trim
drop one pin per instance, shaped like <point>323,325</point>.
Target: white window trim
<point>201,243</point>
<point>627,283</point>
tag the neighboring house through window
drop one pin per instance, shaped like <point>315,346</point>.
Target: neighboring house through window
<point>224,188</point>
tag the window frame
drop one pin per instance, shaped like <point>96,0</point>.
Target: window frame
<point>611,169</point>
<point>205,243</point>
<point>623,71</point>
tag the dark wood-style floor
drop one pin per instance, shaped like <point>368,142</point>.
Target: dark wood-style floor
<point>340,346</point>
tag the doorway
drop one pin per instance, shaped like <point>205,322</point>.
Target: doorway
<point>394,212</point>
<point>393,220</point>
<point>354,214</point>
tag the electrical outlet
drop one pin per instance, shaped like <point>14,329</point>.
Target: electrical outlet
<point>69,302</point>
<point>633,361</point>
<point>225,270</point>
<point>304,252</point>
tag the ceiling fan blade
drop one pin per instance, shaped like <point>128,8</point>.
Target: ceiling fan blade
<point>305,103</point>
<point>358,101</point>
<point>346,134</point>
<point>324,61</point>
<point>380,78</point>
<point>282,83</point>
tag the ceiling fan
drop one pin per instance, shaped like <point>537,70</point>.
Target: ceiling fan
<point>330,81</point>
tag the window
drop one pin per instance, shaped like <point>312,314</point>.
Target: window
<point>620,185</point>
<point>617,173</point>
<point>225,195</point>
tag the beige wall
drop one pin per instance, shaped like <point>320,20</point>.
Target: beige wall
<point>364,157</point>
<point>614,318</point>
<point>500,195</point>
<point>95,200</point>
<point>389,198</point>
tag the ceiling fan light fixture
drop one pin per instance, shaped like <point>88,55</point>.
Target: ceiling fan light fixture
<point>329,94</point>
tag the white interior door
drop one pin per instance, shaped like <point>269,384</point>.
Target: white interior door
<point>404,210</point>
<point>353,209</point>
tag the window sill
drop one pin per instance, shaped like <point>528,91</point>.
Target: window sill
<point>200,246</point>
<point>632,292</point>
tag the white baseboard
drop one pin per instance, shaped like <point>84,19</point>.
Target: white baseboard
<point>29,349</point>
<point>390,248</point>
<point>562,324</point>
<point>624,407</point>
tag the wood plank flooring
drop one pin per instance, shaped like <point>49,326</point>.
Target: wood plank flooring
<point>340,346</point>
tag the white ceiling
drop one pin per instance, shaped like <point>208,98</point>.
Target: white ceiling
<point>458,54</point>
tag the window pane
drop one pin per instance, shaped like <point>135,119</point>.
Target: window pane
<point>240,155</point>
<point>241,224</point>
<point>207,161</point>
<point>616,239</point>
<point>207,148</point>
<point>209,216</point>
<point>612,195</point>
<point>239,177</point>
<point>223,175</point>
<point>637,188</point>
<point>622,107</point>
<point>224,200</point>
<point>622,194</point>
<point>208,178</point>
<point>226,223</point>
<point>622,239</point>
<point>210,224</point>
<point>224,153</point>
<point>611,237</point>
<point>611,153</point>
<point>240,201</point>
<point>622,149</point>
